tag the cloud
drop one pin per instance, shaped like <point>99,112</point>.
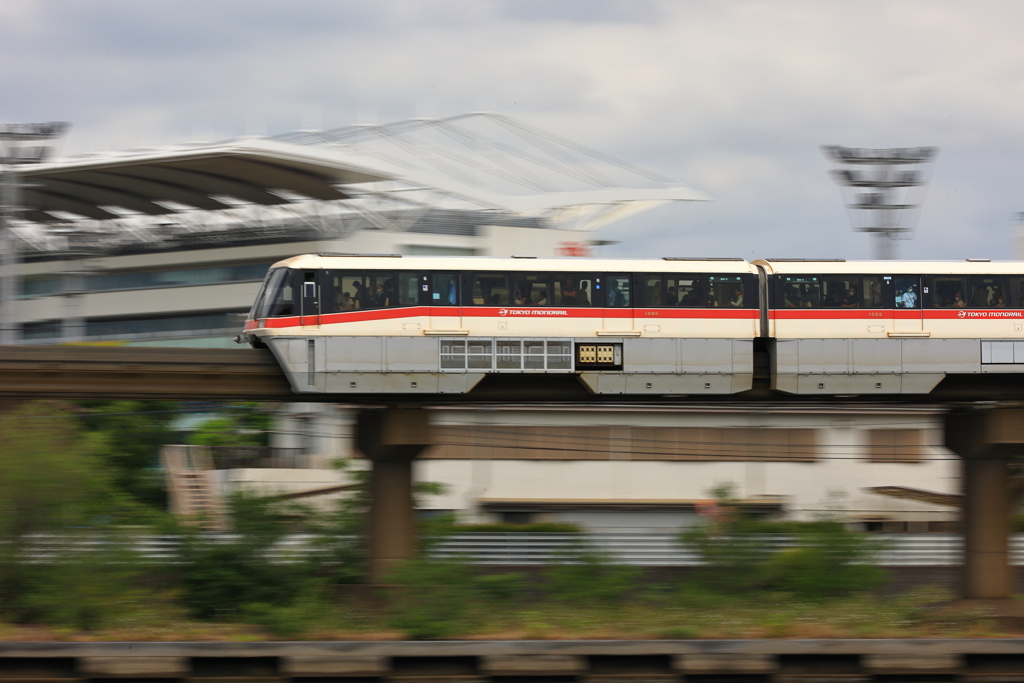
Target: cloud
<point>733,98</point>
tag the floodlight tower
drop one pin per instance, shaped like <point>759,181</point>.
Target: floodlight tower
<point>20,144</point>
<point>882,189</point>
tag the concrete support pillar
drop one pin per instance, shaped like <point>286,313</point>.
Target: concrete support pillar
<point>986,522</point>
<point>391,439</point>
<point>986,439</point>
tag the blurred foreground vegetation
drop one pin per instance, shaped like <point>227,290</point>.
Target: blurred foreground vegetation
<point>75,493</point>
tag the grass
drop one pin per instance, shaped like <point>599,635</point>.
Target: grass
<point>664,613</point>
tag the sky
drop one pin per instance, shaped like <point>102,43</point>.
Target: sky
<point>732,98</point>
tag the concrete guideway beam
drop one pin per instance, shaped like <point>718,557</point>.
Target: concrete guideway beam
<point>391,439</point>
<point>986,439</point>
<point>131,372</point>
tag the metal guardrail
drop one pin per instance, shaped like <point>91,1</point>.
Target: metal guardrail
<point>649,549</point>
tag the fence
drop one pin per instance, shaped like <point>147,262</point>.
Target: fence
<point>648,549</point>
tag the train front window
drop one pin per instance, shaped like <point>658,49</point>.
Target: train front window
<point>279,298</point>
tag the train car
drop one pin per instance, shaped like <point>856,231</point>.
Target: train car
<point>390,324</point>
<point>891,327</point>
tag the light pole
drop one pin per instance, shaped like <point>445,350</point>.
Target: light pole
<point>881,187</point>
<point>20,144</point>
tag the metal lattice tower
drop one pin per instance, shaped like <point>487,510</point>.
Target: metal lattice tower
<point>882,189</point>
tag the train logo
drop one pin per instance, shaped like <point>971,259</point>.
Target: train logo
<point>962,314</point>
<point>503,312</point>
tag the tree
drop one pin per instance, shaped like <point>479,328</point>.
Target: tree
<point>127,436</point>
<point>54,489</point>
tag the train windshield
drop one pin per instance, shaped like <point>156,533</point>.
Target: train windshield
<point>278,295</point>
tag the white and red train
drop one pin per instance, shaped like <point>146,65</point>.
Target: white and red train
<point>381,324</point>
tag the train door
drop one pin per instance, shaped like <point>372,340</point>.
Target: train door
<point>309,299</point>
<point>618,303</point>
<point>444,305</point>
<point>907,316</point>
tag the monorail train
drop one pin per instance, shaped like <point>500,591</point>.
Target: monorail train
<point>389,324</point>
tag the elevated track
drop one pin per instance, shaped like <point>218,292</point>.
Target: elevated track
<point>254,375</point>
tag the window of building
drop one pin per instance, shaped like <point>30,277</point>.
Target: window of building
<point>894,445</point>
<point>33,287</point>
<point>182,277</point>
<point>45,329</point>
<point>171,325</point>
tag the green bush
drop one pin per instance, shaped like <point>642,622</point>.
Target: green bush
<point>588,575</point>
<point>501,589</point>
<point>220,575</point>
<point>826,563</point>
<point>431,598</point>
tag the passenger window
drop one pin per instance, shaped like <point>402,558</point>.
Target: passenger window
<point>908,292</point>
<point>727,291</point>
<point>801,291</point>
<point>573,289</point>
<point>988,291</point>
<point>616,291</point>
<point>408,289</point>
<point>1016,291</point>
<point>444,290</point>
<point>949,291</point>
<point>380,290</point>
<point>531,289</point>
<point>652,291</point>
<point>689,291</point>
<point>872,291</point>
<point>280,297</point>
<point>490,289</point>
<point>840,292</point>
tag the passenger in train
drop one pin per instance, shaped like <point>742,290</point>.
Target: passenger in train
<point>380,298</point>
<point>614,296</point>
<point>673,297</point>
<point>519,299</point>
<point>909,298</point>
<point>873,297</point>
<point>360,297</point>
<point>981,295</point>
<point>850,299</point>
<point>568,292</point>
<point>791,297</point>
<point>958,300</point>
<point>346,303</point>
<point>997,300</point>
<point>543,300</point>
<point>737,298</point>
<point>582,298</point>
<point>452,294</point>
<point>693,297</point>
